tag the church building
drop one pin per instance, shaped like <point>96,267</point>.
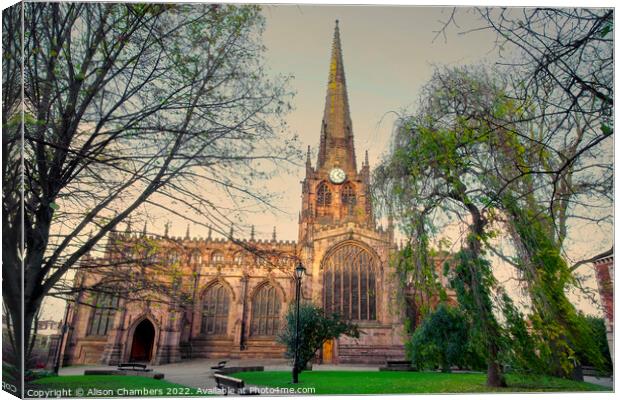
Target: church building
<point>229,296</point>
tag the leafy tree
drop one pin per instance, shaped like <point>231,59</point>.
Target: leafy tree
<point>442,339</point>
<point>315,328</point>
<point>127,105</point>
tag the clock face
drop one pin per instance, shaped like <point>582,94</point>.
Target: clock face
<point>336,175</point>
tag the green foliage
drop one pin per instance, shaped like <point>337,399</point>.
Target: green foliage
<point>565,336</point>
<point>519,350</point>
<point>315,328</point>
<point>442,340</point>
<point>596,325</point>
<point>415,268</point>
<point>472,279</point>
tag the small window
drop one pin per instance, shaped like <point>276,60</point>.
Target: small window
<point>217,257</point>
<point>348,198</point>
<point>238,259</point>
<point>323,195</point>
<point>195,258</point>
<point>149,255</point>
<point>262,261</point>
<point>177,282</point>
<point>173,257</point>
<point>348,194</point>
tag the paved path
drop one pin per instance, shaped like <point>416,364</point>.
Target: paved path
<point>193,373</point>
<point>603,381</point>
<point>198,373</point>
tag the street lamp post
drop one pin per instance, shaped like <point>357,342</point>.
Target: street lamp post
<point>299,272</point>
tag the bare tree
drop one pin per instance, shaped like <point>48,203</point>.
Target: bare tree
<point>127,105</point>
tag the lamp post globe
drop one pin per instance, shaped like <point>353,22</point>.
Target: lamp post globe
<point>299,271</point>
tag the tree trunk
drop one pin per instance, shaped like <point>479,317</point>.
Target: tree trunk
<point>495,378</point>
<point>15,357</point>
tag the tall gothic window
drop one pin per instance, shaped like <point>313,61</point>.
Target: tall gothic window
<point>102,317</point>
<point>349,283</point>
<point>323,195</point>
<point>215,310</point>
<point>265,312</point>
<point>348,198</point>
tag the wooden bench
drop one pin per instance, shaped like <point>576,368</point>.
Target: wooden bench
<point>397,365</point>
<point>230,384</point>
<point>591,371</point>
<point>133,367</point>
<point>219,365</point>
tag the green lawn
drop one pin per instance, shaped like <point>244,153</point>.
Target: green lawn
<point>373,382</point>
<point>324,382</point>
<point>109,385</point>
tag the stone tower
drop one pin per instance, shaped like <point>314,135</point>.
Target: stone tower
<point>344,196</point>
<point>347,257</point>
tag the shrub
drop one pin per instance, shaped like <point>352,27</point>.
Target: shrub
<point>442,340</point>
<point>315,328</point>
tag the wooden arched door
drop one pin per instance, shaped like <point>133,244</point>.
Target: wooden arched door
<point>143,341</point>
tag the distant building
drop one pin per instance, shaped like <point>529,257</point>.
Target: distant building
<point>604,268</point>
<point>235,299</point>
<point>46,344</point>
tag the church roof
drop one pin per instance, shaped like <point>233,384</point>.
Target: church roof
<point>336,148</point>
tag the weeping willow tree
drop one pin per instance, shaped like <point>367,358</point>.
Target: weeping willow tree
<point>430,172</point>
<point>474,153</point>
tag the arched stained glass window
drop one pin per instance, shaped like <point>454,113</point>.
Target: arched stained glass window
<point>349,283</point>
<point>215,310</point>
<point>102,317</point>
<point>265,312</point>
<point>323,195</point>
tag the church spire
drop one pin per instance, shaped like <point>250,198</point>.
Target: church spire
<point>336,147</point>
